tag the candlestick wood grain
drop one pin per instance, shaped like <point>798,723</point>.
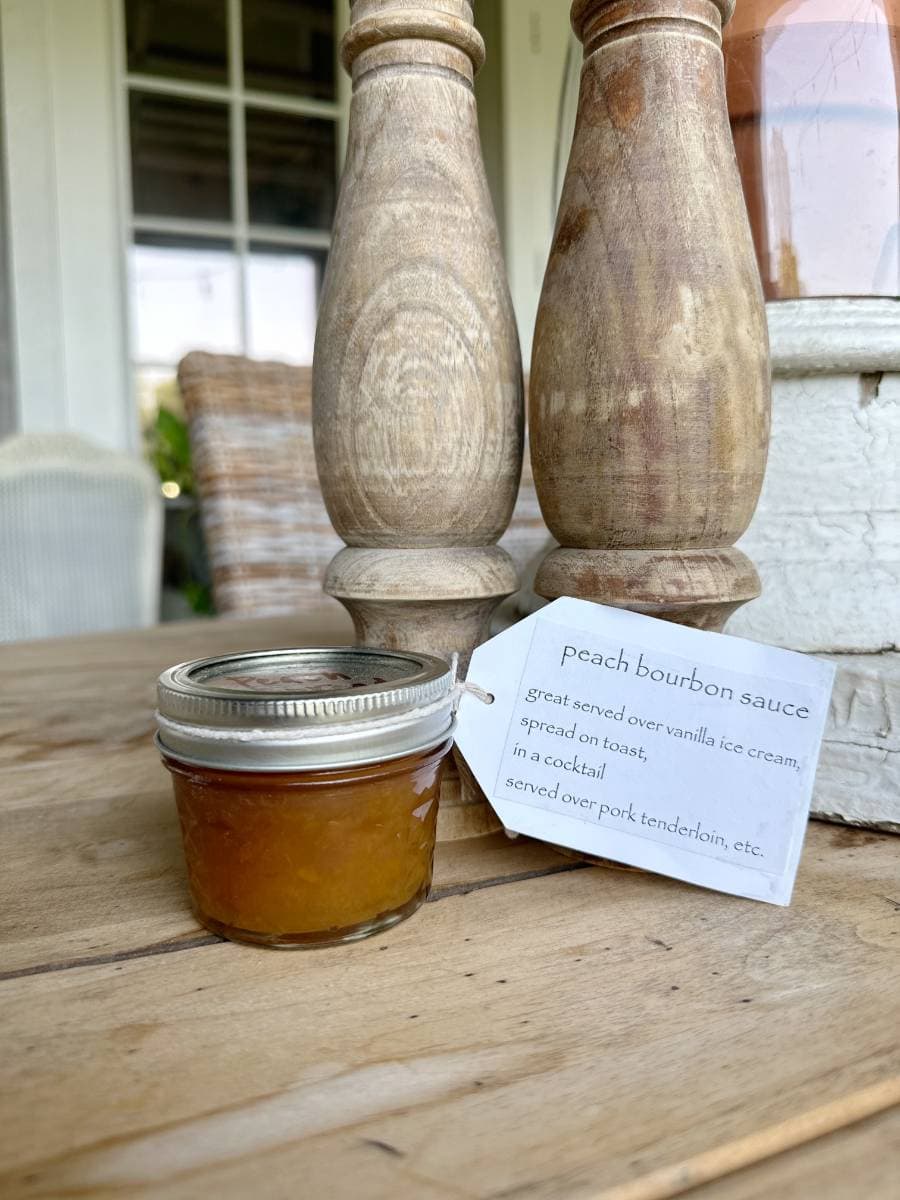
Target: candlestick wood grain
<point>649,392</point>
<point>418,413</point>
<point>417,391</point>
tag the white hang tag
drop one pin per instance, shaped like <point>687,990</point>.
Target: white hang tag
<point>687,753</point>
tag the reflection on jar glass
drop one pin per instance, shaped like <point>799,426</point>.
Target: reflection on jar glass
<point>813,89</point>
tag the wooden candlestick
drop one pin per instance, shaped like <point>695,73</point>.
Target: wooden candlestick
<point>649,390</point>
<point>417,380</point>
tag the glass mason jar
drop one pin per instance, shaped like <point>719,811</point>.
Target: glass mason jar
<point>813,89</point>
<point>307,787</point>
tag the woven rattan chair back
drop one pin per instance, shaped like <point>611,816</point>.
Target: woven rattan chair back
<point>267,533</point>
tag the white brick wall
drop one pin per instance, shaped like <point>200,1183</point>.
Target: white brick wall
<point>826,536</point>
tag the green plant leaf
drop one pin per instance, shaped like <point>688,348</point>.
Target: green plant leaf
<point>169,449</point>
<point>174,432</point>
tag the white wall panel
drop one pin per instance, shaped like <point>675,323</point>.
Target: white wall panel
<point>64,219</point>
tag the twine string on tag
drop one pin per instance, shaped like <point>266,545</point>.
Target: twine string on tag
<point>462,687</point>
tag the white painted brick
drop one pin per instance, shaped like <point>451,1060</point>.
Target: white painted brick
<point>858,780</point>
<point>826,535</point>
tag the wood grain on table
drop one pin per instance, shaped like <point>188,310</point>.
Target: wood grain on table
<point>539,1030</point>
<point>859,1161</point>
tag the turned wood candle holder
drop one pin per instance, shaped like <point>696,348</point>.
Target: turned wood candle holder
<point>417,379</point>
<point>649,390</point>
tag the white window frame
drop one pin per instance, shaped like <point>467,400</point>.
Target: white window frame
<point>68,221</point>
<point>238,231</point>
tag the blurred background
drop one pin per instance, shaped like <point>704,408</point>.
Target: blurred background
<point>171,170</point>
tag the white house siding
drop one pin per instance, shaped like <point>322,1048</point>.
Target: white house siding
<point>8,415</point>
<point>66,246</point>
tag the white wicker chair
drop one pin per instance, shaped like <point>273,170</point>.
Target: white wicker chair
<point>80,538</point>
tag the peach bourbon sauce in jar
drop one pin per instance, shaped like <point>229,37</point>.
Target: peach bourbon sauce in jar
<point>307,788</point>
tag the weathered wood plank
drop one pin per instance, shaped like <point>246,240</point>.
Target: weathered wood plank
<point>103,878</point>
<point>72,710</point>
<point>768,1142</point>
<point>85,806</point>
<point>93,866</point>
<point>546,1038</point>
<point>159,647</point>
<point>859,1161</point>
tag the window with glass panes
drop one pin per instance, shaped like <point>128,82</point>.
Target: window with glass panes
<point>232,112</point>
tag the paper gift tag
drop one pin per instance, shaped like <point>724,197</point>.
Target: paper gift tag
<point>687,753</point>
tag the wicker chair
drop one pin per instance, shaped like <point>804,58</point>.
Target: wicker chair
<point>268,534</point>
<point>80,538</point>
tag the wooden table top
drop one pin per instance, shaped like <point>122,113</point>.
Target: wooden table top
<point>540,1030</point>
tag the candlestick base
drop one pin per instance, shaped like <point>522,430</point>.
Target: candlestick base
<point>438,600</point>
<point>464,811</point>
<point>691,587</point>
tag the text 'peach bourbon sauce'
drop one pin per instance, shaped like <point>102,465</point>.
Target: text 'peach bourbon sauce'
<point>307,786</point>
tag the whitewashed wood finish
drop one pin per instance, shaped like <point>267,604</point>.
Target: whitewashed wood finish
<point>417,392</point>
<point>649,389</point>
<point>826,536</point>
<point>858,780</point>
<point>839,336</point>
<point>418,412</point>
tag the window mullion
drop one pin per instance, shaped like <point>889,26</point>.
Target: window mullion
<point>239,164</point>
<point>230,93</point>
<point>123,181</point>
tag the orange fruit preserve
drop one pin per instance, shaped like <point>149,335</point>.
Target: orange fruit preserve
<point>312,857</point>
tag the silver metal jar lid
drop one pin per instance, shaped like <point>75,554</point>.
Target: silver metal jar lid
<point>303,710</point>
